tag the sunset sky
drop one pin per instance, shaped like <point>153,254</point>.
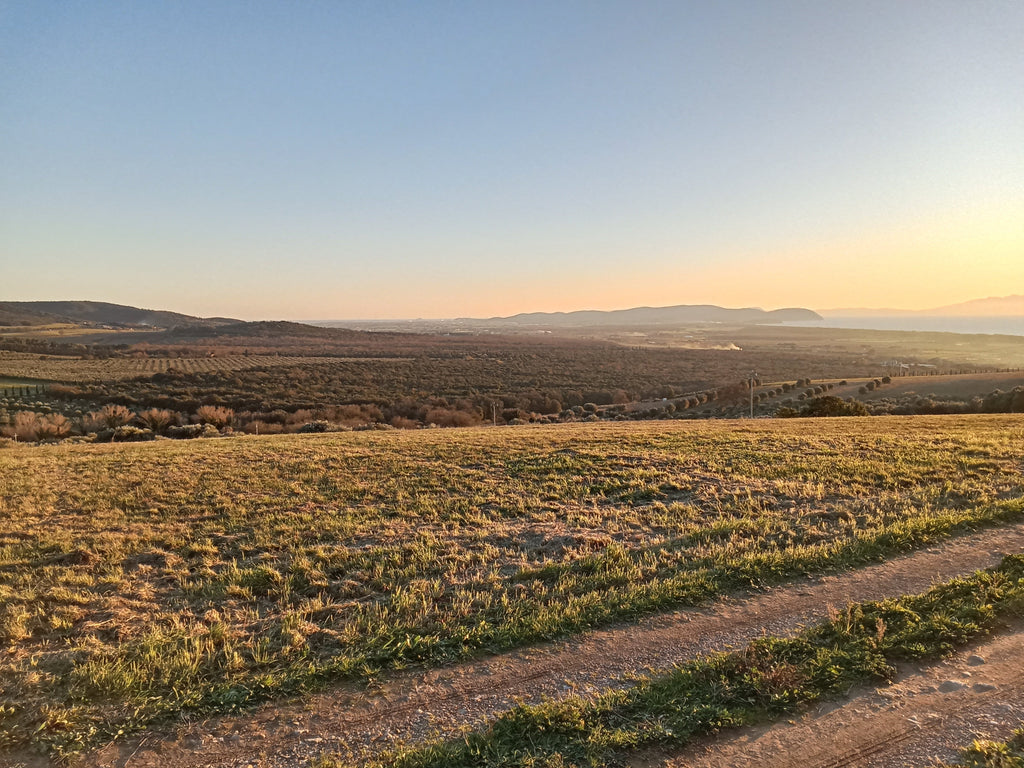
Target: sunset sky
<point>321,160</point>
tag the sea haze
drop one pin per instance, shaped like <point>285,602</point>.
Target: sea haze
<point>1013,326</point>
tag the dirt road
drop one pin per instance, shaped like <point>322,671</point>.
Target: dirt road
<point>927,714</point>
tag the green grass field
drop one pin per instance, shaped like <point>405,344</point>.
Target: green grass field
<point>138,581</point>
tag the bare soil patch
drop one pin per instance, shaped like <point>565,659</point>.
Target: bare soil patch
<point>411,705</point>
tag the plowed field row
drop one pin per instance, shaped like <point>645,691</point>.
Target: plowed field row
<point>17,365</point>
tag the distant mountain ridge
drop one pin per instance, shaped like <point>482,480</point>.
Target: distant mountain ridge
<point>99,313</point>
<point>680,314</point>
<point>1003,306</point>
<point>993,306</point>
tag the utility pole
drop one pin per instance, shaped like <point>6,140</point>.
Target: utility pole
<point>494,413</point>
<point>753,378</point>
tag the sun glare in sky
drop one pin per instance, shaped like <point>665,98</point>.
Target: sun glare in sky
<point>369,160</point>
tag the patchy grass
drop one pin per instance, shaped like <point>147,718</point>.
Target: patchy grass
<point>984,753</point>
<point>141,581</point>
<point>768,679</point>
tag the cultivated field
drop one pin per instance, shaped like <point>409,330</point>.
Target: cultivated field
<point>956,386</point>
<point>941,349</point>
<point>78,370</point>
<point>141,582</point>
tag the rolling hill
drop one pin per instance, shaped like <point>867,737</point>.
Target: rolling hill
<point>98,313</point>
<point>993,306</point>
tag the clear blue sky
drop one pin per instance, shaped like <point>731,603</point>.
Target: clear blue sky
<point>438,159</point>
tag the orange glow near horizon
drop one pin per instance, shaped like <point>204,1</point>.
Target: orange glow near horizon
<point>929,264</point>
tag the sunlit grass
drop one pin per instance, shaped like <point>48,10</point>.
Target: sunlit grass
<point>138,581</point>
<point>770,678</point>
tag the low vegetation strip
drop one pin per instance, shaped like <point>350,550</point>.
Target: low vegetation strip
<point>985,753</point>
<point>140,581</point>
<point>768,679</point>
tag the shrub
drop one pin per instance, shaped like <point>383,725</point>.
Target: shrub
<point>257,427</point>
<point>29,426</point>
<point>110,416</point>
<point>830,405</point>
<point>449,417</point>
<point>401,422</point>
<point>158,419</point>
<point>129,434</point>
<point>56,426</point>
<point>189,431</point>
<point>214,415</point>
<point>26,425</point>
<point>301,416</point>
<point>63,392</point>
<point>351,415</point>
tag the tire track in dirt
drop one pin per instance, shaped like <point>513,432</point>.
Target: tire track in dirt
<point>410,705</point>
<point>926,715</point>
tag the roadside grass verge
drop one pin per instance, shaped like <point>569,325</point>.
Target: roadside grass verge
<point>138,582</point>
<point>771,677</point>
<point>985,753</point>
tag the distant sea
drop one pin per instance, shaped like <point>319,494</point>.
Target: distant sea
<point>1013,326</point>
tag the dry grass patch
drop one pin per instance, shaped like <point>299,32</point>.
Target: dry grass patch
<point>140,581</point>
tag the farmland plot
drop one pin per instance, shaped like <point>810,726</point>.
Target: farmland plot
<point>75,370</point>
